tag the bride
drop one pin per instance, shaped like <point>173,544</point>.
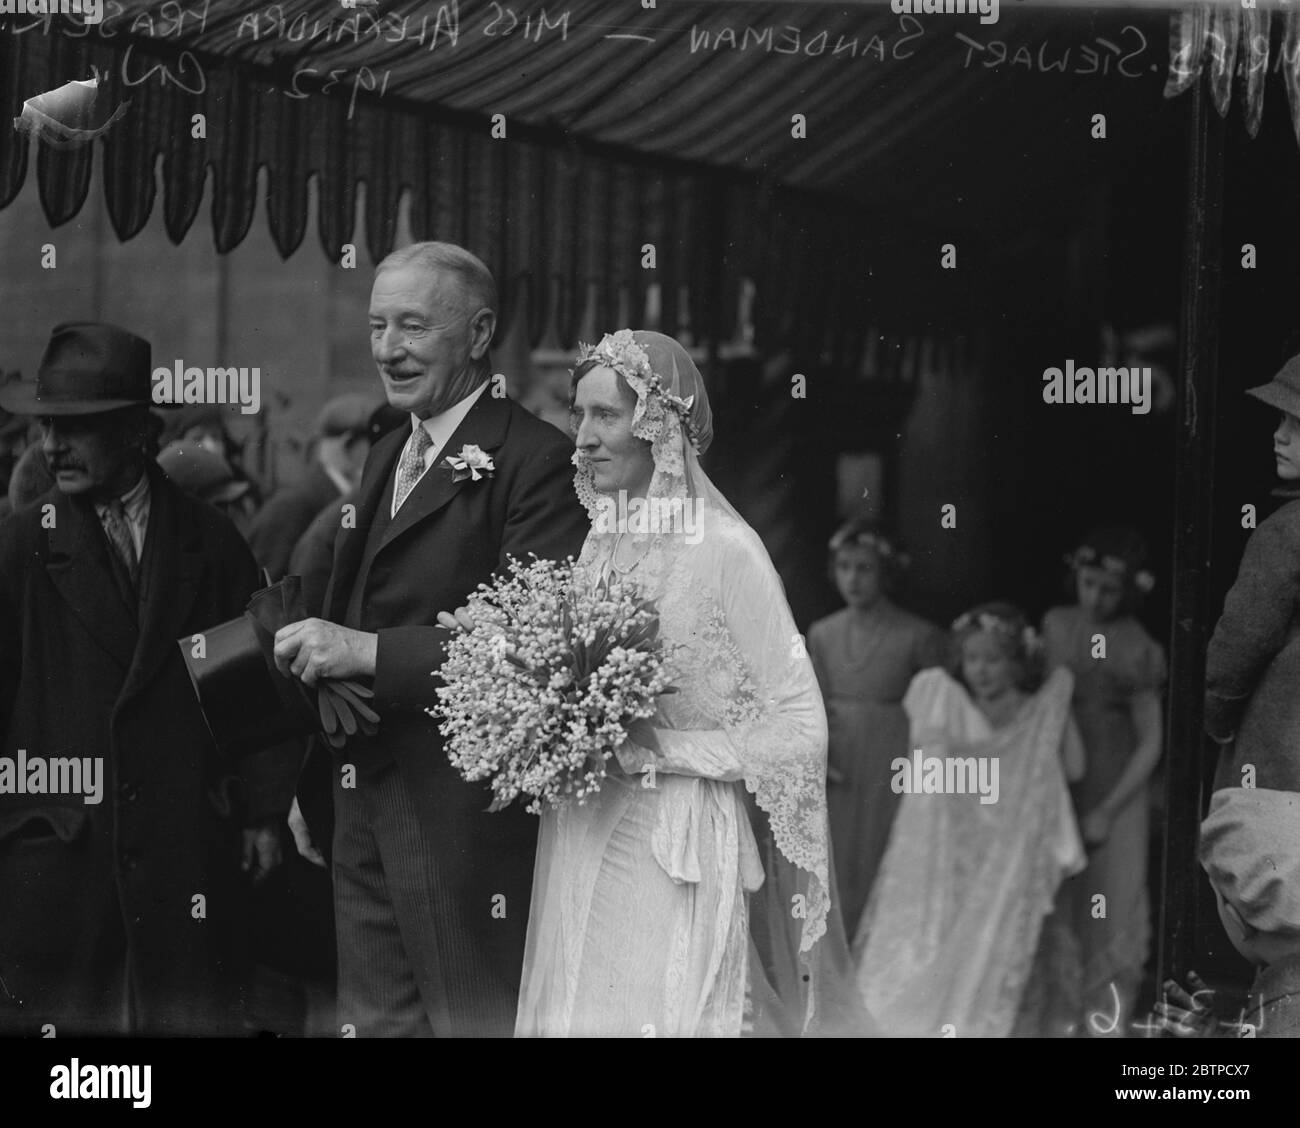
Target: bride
<point>690,895</point>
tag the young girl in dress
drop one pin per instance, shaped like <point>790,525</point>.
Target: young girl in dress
<point>1118,671</point>
<point>949,935</point>
<point>865,656</point>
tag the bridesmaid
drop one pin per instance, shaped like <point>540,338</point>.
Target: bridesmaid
<point>865,657</point>
<point>1118,673</point>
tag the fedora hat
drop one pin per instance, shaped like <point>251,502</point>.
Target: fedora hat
<point>88,367</point>
<point>1283,391</point>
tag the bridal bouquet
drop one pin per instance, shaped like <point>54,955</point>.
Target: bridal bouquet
<point>539,694</point>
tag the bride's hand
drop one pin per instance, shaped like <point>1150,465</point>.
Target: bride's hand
<point>637,753</point>
<point>460,620</point>
<point>642,734</point>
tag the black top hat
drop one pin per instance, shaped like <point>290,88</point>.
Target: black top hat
<point>88,367</point>
<point>246,701</point>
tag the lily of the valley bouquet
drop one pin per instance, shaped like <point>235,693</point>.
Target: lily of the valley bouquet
<point>539,695</point>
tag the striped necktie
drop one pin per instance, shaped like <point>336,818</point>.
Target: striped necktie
<point>119,534</point>
<point>411,468</point>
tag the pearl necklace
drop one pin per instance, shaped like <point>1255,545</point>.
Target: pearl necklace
<point>613,556</point>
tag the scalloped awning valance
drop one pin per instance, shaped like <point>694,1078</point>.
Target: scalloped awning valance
<point>671,126</point>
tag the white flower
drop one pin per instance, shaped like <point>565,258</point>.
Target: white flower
<point>517,715</point>
<point>471,461</point>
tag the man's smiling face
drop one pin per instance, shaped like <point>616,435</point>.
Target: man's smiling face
<point>422,337</point>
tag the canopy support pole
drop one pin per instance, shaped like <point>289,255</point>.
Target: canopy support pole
<point>1187,748</point>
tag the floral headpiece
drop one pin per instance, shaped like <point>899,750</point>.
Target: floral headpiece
<point>1087,556</point>
<point>996,624</point>
<point>874,541</point>
<point>620,352</point>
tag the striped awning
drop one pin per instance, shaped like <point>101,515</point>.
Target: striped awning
<point>796,145</point>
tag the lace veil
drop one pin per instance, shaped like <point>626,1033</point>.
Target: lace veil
<point>801,977</point>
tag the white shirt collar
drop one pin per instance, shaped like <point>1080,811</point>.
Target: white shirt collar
<point>440,428</point>
<point>134,500</point>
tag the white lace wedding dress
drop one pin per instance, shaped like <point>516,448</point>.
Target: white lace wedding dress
<point>646,916</point>
<point>639,924</point>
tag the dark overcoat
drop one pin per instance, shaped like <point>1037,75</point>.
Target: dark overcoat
<point>1252,666</point>
<point>144,886</point>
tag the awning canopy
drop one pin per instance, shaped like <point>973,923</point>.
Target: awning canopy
<point>797,145</point>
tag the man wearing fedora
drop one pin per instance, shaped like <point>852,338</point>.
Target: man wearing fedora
<point>431,892</point>
<point>123,912</point>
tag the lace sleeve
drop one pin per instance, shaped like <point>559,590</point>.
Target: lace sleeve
<point>775,721</point>
<point>746,670</point>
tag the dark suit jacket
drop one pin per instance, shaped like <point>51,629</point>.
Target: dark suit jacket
<point>286,516</point>
<point>446,539</point>
<point>82,674</point>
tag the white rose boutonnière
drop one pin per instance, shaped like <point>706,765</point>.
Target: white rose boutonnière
<point>471,463</point>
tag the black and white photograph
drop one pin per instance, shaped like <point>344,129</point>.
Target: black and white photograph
<point>649,519</point>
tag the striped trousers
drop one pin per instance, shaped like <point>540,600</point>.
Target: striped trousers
<point>411,961</point>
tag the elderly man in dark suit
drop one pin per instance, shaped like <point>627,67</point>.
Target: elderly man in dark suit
<point>431,892</point>
<point>122,912</point>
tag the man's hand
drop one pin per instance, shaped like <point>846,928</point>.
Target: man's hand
<point>261,851</point>
<point>302,836</point>
<point>313,649</point>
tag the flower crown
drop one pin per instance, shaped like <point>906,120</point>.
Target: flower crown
<point>620,352</point>
<point>1087,556</point>
<point>996,624</point>
<point>866,539</point>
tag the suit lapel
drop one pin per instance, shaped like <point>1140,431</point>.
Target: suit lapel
<point>485,427</point>
<point>349,548</point>
<point>79,568</point>
<point>171,570</point>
